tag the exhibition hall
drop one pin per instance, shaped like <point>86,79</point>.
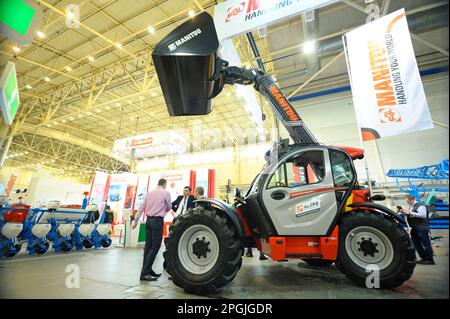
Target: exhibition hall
<point>208,149</point>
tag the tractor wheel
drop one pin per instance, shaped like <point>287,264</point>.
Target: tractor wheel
<point>87,244</point>
<point>203,252</point>
<point>106,242</point>
<point>319,262</point>
<point>371,241</point>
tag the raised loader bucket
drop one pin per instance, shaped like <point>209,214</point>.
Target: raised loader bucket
<point>185,61</point>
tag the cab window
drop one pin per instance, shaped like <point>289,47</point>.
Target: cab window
<point>302,169</point>
<point>342,168</point>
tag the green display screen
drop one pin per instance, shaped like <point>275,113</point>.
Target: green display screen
<point>9,93</point>
<point>17,15</point>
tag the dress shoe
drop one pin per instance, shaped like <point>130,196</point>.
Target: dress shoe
<point>262,257</point>
<point>425,262</point>
<point>148,278</point>
<point>154,274</point>
<point>248,255</point>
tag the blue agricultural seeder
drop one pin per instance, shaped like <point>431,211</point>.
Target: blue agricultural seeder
<point>64,228</point>
<point>433,172</point>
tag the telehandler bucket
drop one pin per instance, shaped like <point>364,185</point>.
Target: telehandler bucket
<point>185,61</point>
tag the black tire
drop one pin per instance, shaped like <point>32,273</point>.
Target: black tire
<point>106,242</point>
<point>228,262</point>
<point>403,261</point>
<point>87,244</point>
<point>65,246</point>
<point>41,249</point>
<point>10,254</point>
<point>319,262</point>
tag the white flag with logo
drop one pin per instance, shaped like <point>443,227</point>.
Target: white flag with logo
<point>235,17</point>
<point>387,89</point>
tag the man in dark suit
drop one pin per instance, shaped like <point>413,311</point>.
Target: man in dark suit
<point>183,202</point>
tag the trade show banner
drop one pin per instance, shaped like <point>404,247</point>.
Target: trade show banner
<point>121,193</point>
<point>386,85</point>
<point>141,191</point>
<point>99,188</point>
<point>151,144</point>
<point>235,17</point>
<point>176,181</point>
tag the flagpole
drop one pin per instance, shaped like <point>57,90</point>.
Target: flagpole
<point>361,140</point>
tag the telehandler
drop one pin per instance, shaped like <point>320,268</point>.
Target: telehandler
<point>306,202</point>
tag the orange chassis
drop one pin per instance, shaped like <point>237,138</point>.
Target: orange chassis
<point>283,248</point>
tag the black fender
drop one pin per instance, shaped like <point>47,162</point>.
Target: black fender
<point>378,207</point>
<point>228,210</point>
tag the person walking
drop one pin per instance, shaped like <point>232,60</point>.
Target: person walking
<point>155,206</point>
<point>418,221</point>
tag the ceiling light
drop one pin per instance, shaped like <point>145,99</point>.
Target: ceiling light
<point>16,49</point>
<point>69,14</point>
<point>118,45</point>
<point>98,110</point>
<point>56,123</point>
<point>141,98</point>
<point>191,13</point>
<point>91,58</point>
<point>151,30</point>
<point>71,118</point>
<point>309,47</point>
<point>152,113</point>
<point>68,68</point>
<point>46,79</point>
<point>48,125</point>
<point>64,121</point>
<point>118,104</point>
<point>40,34</point>
<point>29,87</point>
<point>107,107</point>
<point>79,115</point>
<point>153,94</point>
<point>113,122</point>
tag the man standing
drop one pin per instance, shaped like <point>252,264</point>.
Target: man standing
<point>418,221</point>
<point>183,202</point>
<point>155,206</point>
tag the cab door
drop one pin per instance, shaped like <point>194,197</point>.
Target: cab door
<point>299,193</point>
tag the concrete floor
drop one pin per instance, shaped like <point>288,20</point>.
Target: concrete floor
<point>114,273</point>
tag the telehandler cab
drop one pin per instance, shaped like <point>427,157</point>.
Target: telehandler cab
<point>304,204</point>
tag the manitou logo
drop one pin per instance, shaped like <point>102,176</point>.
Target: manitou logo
<point>234,11</point>
<point>184,39</point>
<point>389,115</point>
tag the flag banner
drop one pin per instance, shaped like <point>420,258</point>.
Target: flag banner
<point>235,17</point>
<point>386,86</point>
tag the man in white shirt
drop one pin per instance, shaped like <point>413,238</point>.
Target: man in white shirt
<point>418,221</point>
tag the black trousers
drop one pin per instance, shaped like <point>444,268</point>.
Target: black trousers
<point>421,239</point>
<point>153,238</point>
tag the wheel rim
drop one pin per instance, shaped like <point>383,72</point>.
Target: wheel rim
<point>198,249</point>
<point>369,246</point>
